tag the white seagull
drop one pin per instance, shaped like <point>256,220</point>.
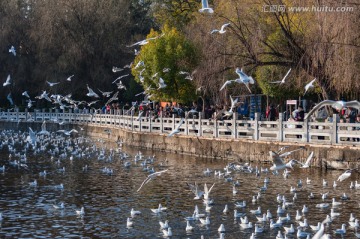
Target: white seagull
<point>205,7</point>
<point>116,69</point>
<point>150,177</point>
<point>146,41</point>
<point>12,50</point>
<point>51,84</point>
<point>177,128</point>
<point>120,77</point>
<point>345,175</point>
<point>309,85</point>
<point>161,83</point>
<point>7,82</point>
<point>91,93</point>
<point>69,78</point>
<point>245,79</point>
<point>222,29</point>
<point>283,80</point>
<point>25,93</point>
<point>308,161</point>
<point>338,105</point>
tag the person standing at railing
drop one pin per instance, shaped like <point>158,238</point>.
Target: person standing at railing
<point>351,115</point>
<point>271,113</point>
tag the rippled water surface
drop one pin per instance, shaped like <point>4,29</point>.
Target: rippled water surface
<point>28,211</point>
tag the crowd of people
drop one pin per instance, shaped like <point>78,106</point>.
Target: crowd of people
<point>155,110</point>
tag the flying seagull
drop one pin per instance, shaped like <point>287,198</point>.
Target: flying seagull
<point>245,79</point>
<point>106,93</point>
<point>177,128</point>
<point>283,80</point>
<point>161,83</point>
<point>116,69</point>
<point>278,159</point>
<point>188,75</point>
<point>120,77</point>
<point>25,94</point>
<point>7,82</point>
<point>345,175</point>
<point>91,93</point>
<point>69,78</point>
<point>205,7</point>
<point>308,161</point>
<point>51,84</point>
<point>146,41</point>
<point>338,105</point>
<point>309,85</point>
<point>222,29</point>
<point>12,50</point>
<point>150,177</point>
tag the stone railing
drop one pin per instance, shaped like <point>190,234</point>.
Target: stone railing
<point>329,133</point>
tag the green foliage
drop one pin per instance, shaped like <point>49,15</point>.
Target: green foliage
<point>164,57</point>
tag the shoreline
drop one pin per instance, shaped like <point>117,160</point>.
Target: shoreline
<point>241,150</point>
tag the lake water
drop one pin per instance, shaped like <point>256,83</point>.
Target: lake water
<point>28,211</point>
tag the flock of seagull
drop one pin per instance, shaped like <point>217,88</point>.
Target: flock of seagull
<point>248,213</point>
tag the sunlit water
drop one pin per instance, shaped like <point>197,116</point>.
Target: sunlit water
<point>28,211</point>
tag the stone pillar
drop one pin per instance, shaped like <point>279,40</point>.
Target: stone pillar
<point>280,128</point>
<point>256,126</point>
<point>235,116</point>
<point>305,134</point>
<point>334,129</point>
<point>216,132</point>
<point>200,125</point>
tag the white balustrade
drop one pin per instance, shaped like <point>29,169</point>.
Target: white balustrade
<point>330,133</point>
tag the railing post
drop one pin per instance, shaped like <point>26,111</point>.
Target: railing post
<point>150,121</point>
<point>140,123</point>
<point>334,135</point>
<point>280,128</point>
<point>256,126</point>
<point>173,122</point>
<point>200,126</point>
<point>161,123</point>
<point>186,126</point>
<point>306,130</point>
<point>216,129</point>
<point>132,121</point>
<point>235,116</point>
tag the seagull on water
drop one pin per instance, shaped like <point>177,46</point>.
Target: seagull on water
<point>150,177</point>
<point>283,80</point>
<point>338,105</point>
<point>80,212</point>
<point>222,29</point>
<point>205,7</point>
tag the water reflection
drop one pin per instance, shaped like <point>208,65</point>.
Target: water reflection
<point>33,211</point>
